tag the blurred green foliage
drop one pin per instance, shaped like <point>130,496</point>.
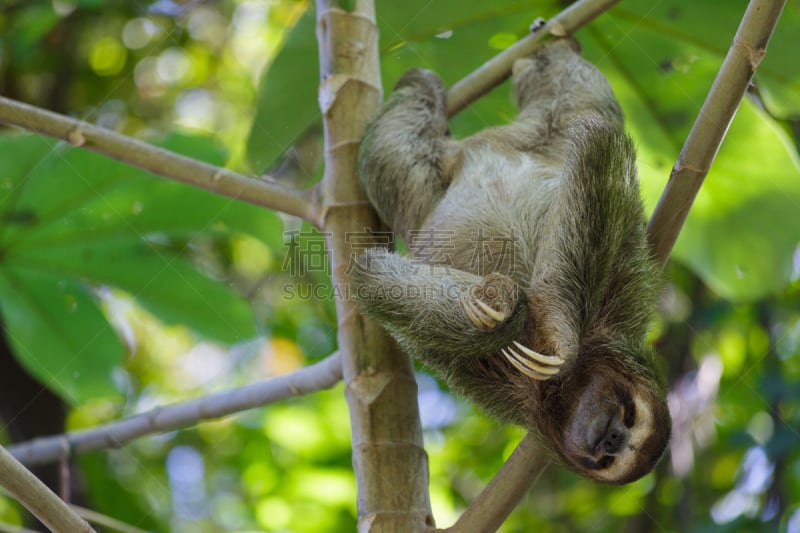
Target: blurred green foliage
<point>182,293</point>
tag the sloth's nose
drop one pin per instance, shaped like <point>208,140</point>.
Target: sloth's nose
<point>615,439</point>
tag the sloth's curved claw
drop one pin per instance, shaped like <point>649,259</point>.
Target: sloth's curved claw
<point>541,358</point>
<point>522,367</point>
<point>470,313</point>
<point>496,315</point>
<point>475,316</point>
<point>481,315</point>
<point>531,363</point>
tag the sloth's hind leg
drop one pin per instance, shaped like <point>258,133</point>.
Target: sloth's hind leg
<point>555,87</point>
<point>403,159</point>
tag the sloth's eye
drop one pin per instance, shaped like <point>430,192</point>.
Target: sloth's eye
<point>629,411</point>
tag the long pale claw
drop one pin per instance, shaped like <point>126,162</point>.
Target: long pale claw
<point>531,363</point>
<point>522,368</point>
<point>471,313</point>
<point>476,316</point>
<point>497,315</point>
<point>481,314</point>
<point>544,359</point>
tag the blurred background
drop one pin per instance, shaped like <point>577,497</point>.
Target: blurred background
<point>120,292</point>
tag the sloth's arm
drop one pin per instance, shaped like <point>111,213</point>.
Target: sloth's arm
<point>439,310</point>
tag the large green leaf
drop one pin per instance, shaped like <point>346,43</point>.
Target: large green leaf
<point>287,100</point>
<point>686,26</point>
<point>26,32</point>
<point>742,232</point>
<point>420,20</point>
<point>159,278</point>
<point>778,76</point>
<point>58,333</point>
<point>73,218</point>
<point>287,103</point>
<point>104,200</point>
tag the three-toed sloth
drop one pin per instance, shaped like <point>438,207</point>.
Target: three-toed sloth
<point>530,284</point>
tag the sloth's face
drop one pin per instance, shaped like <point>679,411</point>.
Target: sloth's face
<point>618,429</point>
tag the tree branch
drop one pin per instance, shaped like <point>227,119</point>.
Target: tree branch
<point>261,192</point>
<point>746,52</point>
<point>106,521</point>
<point>37,498</point>
<point>321,375</point>
<point>496,70</point>
<point>493,505</point>
<point>388,457</point>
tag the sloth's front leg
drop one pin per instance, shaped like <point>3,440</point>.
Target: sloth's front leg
<point>431,310</point>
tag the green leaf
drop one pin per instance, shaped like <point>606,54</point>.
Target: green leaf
<point>743,231</point>
<point>661,60</point>
<point>100,199</point>
<point>91,4</point>
<point>72,217</point>
<point>685,25</point>
<point>420,20</point>
<point>159,278</point>
<point>28,30</point>
<point>58,333</point>
<point>287,101</point>
<point>778,77</point>
<point>118,202</point>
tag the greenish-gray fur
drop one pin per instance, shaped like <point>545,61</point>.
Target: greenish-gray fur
<point>558,185</point>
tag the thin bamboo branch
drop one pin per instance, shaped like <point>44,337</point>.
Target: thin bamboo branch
<point>258,191</point>
<point>388,457</point>
<point>493,505</point>
<point>313,378</point>
<point>111,524</point>
<point>496,70</point>
<point>37,498</point>
<point>746,52</point>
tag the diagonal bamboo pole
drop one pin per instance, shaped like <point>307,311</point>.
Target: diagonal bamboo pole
<point>38,498</point>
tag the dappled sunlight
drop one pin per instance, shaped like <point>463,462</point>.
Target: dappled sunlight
<point>692,404</point>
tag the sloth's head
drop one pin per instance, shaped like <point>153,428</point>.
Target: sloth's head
<point>607,418</point>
